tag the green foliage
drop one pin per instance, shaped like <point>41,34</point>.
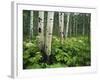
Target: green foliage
<point>75,51</point>
<point>31,54</point>
<point>57,65</point>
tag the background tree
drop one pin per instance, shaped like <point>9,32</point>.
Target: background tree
<point>83,32</point>
<point>31,24</point>
<point>61,26</point>
<point>75,23</point>
<point>67,24</point>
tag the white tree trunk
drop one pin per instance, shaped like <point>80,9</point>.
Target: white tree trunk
<point>70,24</point>
<point>61,26</point>
<point>49,29</point>
<point>75,23</point>
<point>41,30</point>
<point>74,26</point>
<point>31,25</point>
<point>67,24</point>
<point>83,32</point>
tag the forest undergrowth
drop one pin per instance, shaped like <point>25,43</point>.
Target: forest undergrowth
<point>75,51</point>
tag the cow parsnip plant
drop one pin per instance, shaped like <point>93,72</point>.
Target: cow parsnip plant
<point>75,51</point>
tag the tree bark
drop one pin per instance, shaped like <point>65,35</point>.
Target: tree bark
<point>83,32</point>
<point>49,29</point>
<point>41,30</point>
<point>75,23</point>
<point>31,25</point>
<point>70,25</point>
<point>67,25</point>
<point>61,26</point>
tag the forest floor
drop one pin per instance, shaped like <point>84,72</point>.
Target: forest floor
<point>75,51</point>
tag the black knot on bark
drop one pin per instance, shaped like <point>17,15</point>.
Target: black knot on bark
<point>50,33</point>
<point>62,32</point>
<point>51,19</point>
<point>40,19</point>
<point>39,30</point>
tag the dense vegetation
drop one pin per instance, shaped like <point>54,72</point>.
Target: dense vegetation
<point>74,52</point>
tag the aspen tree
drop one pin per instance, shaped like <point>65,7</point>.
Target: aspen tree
<point>61,26</point>
<point>41,30</point>
<point>76,29</point>
<point>70,24</point>
<point>31,25</point>
<point>87,21</point>
<point>49,29</point>
<point>83,32</point>
<point>75,23</point>
<point>67,25</point>
<point>88,24</point>
<point>76,26</point>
